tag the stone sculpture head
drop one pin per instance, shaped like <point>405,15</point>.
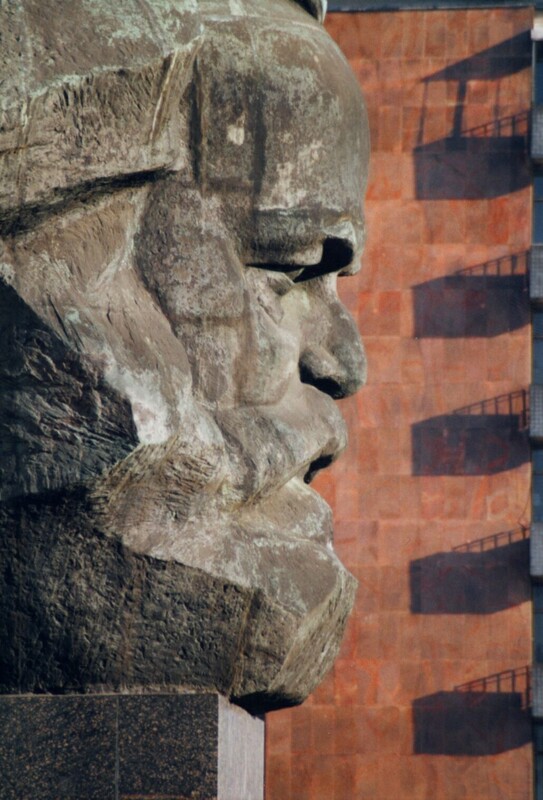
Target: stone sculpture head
<point>180,193</point>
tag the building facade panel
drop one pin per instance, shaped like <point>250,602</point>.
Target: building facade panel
<point>430,695</point>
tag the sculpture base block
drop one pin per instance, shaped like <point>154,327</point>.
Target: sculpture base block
<point>129,747</point>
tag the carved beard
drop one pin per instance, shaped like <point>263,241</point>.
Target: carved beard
<point>172,347</point>
<point>212,504</point>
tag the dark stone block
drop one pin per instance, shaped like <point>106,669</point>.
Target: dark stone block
<point>97,747</point>
<point>57,747</point>
<point>167,746</point>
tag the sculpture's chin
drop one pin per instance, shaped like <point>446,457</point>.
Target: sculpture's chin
<point>304,597</point>
<point>260,619</point>
<point>295,511</point>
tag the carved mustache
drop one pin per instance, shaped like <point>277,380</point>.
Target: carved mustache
<point>253,454</point>
<point>269,446</point>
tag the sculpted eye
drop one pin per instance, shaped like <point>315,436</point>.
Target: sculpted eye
<point>336,255</point>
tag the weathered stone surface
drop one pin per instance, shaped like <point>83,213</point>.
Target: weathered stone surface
<point>80,609</point>
<point>180,190</point>
<point>79,79</point>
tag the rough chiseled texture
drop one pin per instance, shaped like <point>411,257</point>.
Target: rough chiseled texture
<point>180,186</point>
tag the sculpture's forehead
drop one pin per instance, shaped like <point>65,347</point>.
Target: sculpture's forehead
<point>46,41</point>
<point>90,89</point>
<point>281,113</point>
<point>49,41</point>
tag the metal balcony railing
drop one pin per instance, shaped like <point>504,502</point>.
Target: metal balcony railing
<point>536,552</point>
<point>536,412</point>
<point>537,133</point>
<point>536,274</point>
<point>537,691</point>
<point>510,681</point>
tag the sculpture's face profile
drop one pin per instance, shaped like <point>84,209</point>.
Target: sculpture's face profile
<point>199,303</point>
<point>243,259</point>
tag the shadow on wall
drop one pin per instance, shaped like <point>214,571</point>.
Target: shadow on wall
<point>480,439</point>
<point>483,717</point>
<point>487,299</point>
<point>480,577</point>
<point>484,161</point>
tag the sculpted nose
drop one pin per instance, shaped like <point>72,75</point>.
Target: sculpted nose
<point>335,361</point>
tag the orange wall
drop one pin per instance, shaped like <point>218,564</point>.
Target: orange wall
<point>435,463</point>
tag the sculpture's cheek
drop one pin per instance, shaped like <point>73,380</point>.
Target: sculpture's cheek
<point>198,280</point>
<point>249,361</point>
<point>186,258</point>
<point>215,351</point>
<point>271,351</point>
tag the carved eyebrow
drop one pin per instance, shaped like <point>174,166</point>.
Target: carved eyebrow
<point>28,216</point>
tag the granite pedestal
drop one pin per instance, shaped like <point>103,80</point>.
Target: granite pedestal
<point>121,747</point>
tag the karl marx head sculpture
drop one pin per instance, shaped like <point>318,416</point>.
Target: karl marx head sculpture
<point>180,190</point>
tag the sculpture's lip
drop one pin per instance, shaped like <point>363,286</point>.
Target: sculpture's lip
<point>272,518</point>
<point>269,446</point>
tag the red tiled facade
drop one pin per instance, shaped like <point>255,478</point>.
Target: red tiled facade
<point>428,695</point>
